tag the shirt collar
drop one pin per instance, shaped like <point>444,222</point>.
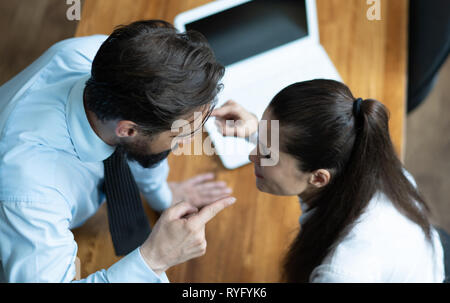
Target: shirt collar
<point>88,146</point>
<point>306,211</point>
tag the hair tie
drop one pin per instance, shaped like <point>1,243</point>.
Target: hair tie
<point>357,107</point>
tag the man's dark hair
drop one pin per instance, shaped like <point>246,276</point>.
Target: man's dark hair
<point>149,73</point>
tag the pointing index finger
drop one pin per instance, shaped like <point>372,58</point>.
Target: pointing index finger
<point>210,211</point>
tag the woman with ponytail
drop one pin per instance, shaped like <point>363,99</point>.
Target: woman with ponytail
<point>363,219</point>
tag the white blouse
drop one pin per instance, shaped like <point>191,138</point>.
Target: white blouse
<point>383,246</point>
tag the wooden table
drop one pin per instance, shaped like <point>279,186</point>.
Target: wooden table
<point>247,242</point>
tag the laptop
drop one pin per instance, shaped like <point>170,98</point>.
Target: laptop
<point>265,46</point>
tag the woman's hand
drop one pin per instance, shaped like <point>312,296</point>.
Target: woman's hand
<point>234,120</point>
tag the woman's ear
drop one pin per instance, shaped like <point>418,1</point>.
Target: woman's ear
<point>319,178</point>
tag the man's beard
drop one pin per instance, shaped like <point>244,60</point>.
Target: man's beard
<point>133,153</point>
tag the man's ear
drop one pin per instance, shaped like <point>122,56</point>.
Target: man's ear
<point>319,178</point>
<point>126,129</point>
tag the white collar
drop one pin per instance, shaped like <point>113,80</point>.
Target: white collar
<point>88,146</point>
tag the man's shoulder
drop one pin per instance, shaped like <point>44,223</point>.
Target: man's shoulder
<point>37,97</point>
<point>74,55</point>
<point>35,173</point>
<point>84,47</point>
<point>68,57</point>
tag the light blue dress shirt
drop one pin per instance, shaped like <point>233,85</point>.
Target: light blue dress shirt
<point>51,170</point>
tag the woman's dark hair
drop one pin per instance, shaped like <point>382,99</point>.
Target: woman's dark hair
<point>148,73</point>
<point>321,130</point>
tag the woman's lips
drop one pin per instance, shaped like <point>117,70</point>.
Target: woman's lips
<point>258,175</point>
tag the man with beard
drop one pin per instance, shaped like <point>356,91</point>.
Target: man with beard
<point>91,119</point>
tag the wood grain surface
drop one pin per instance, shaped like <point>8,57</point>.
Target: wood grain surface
<point>247,242</point>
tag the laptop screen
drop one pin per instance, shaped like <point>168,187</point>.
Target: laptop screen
<point>252,28</point>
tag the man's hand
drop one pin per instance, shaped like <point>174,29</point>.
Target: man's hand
<point>199,190</point>
<point>241,123</point>
<point>179,234</point>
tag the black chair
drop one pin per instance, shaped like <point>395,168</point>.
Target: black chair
<point>429,45</point>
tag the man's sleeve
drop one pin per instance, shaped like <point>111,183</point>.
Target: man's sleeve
<point>38,246</point>
<point>152,183</point>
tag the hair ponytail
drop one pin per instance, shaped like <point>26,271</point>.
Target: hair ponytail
<point>323,130</point>
<point>393,181</point>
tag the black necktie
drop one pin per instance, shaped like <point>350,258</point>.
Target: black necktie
<point>128,223</point>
